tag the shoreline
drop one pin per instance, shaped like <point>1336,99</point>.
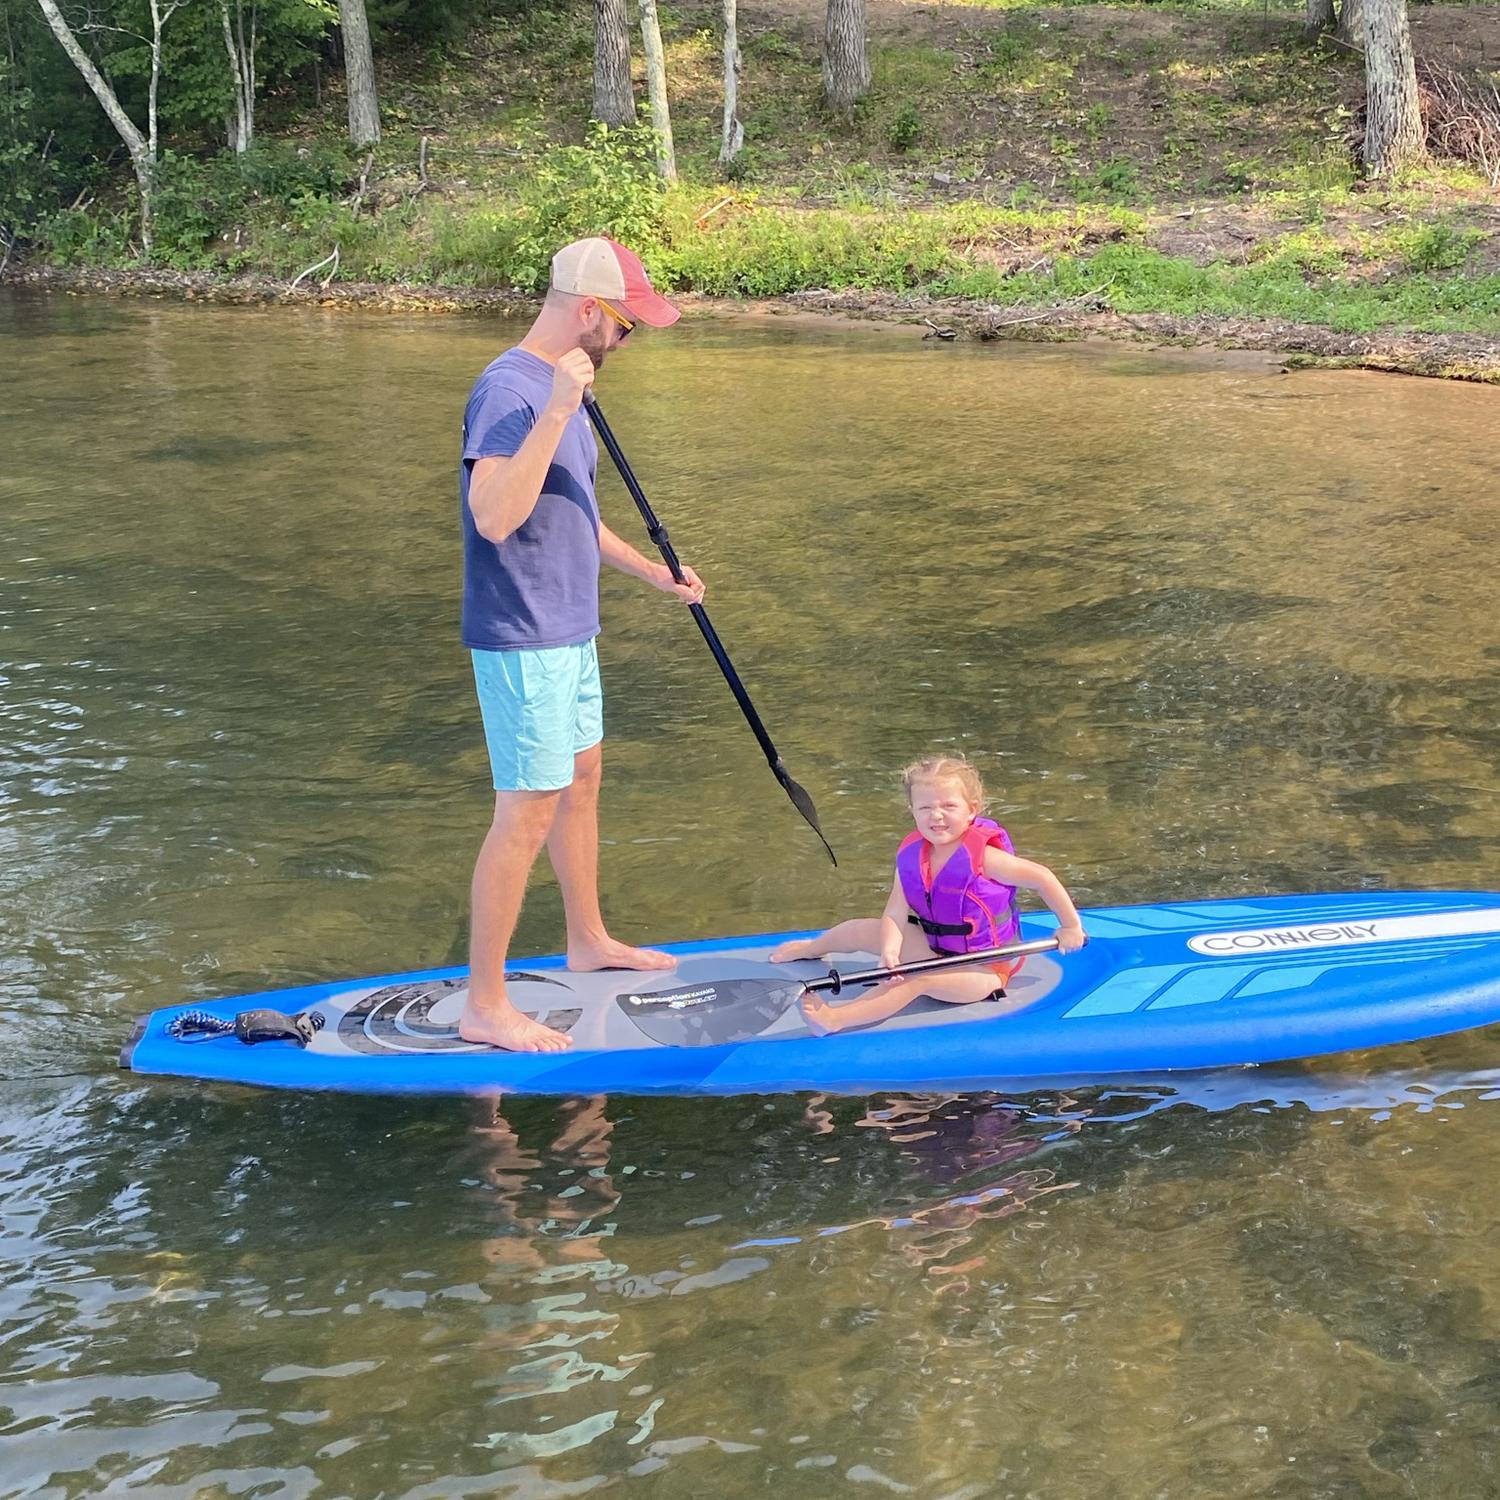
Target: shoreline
<point>1468,357</point>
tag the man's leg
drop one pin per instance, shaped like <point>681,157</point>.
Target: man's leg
<point>573,847</point>
<point>519,829</point>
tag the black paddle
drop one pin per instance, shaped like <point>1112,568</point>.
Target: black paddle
<point>733,1010</point>
<point>658,534</point>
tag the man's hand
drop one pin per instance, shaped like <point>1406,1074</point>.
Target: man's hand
<point>690,592</point>
<point>571,377</point>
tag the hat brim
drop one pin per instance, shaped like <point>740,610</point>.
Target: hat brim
<point>651,308</point>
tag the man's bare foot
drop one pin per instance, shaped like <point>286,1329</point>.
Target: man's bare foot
<point>821,1017</point>
<point>504,1026</point>
<point>786,953</point>
<point>584,958</point>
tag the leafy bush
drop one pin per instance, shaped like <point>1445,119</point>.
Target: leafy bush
<point>81,237</point>
<point>906,127</point>
<point>281,169</point>
<point>26,176</point>
<point>764,253</point>
<point>1436,247</point>
<point>608,185</point>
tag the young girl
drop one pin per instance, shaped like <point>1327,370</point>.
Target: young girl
<point>954,892</point>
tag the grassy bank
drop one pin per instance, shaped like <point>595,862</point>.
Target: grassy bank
<point>1188,164</point>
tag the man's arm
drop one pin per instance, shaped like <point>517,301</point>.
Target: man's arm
<point>618,553</point>
<point>503,492</point>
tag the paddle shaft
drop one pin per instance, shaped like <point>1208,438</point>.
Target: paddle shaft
<point>658,534</point>
<point>836,981</point>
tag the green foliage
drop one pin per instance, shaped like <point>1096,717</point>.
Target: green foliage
<point>1135,278</point>
<point>1438,246</point>
<point>768,252</point>
<point>53,136</point>
<point>27,177</point>
<point>74,237</point>
<point>1115,181</point>
<point>1311,252</point>
<point>608,185</point>
<point>196,202</point>
<point>435,21</point>
<point>197,88</point>
<point>906,127</point>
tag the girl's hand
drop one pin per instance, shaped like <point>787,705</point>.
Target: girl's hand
<point>890,955</point>
<point>1071,937</point>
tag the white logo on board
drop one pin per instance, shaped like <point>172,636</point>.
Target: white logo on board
<point>1345,934</point>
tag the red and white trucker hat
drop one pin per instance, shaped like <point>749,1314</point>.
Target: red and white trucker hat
<point>602,268</point>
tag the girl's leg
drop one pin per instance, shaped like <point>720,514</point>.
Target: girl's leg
<point>883,1001</point>
<point>859,935</point>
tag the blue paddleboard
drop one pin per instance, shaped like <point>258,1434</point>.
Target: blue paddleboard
<point>1179,985</point>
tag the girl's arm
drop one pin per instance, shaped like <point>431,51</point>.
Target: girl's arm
<point>1009,869</point>
<point>893,926</point>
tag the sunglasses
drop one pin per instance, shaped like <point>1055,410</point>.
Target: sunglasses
<point>625,323</point>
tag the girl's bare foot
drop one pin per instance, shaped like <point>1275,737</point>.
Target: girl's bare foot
<point>785,953</point>
<point>584,958</point>
<point>504,1026</point>
<point>821,1017</point>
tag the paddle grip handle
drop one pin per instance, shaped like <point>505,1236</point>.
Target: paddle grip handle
<point>836,981</point>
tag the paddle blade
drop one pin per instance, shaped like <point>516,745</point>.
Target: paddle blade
<point>803,803</point>
<point>711,1014</point>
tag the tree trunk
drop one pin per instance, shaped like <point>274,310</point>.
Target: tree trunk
<point>1393,115</point>
<point>359,74</point>
<point>734,133</point>
<point>846,65</point>
<point>141,148</point>
<point>614,99</point>
<point>1319,19</point>
<point>241,50</point>
<point>1351,23</point>
<point>656,87</point>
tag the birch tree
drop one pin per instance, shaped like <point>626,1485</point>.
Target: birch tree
<point>846,64</point>
<point>141,148</point>
<point>734,133</point>
<point>656,89</point>
<point>241,49</point>
<point>1393,114</point>
<point>359,74</point>
<point>614,98</point>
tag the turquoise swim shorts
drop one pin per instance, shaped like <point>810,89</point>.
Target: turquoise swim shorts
<point>540,709</point>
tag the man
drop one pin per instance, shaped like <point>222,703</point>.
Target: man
<point>533,543</point>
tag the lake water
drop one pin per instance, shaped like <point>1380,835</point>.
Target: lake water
<point>1208,629</point>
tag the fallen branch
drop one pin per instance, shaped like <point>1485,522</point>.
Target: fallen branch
<point>1061,307</point>
<point>364,181</point>
<point>708,213</point>
<point>422,183</point>
<point>334,258</point>
<point>1336,41</point>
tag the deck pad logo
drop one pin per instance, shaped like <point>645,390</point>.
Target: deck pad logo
<point>1262,940</point>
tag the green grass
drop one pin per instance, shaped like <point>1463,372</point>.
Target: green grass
<point>1135,278</point>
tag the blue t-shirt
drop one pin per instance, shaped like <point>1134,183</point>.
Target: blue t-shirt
<point>540,586</point>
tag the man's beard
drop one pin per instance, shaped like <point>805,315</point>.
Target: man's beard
<point>592,343</point>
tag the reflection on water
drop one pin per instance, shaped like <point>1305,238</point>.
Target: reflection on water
<point>1207,629</point>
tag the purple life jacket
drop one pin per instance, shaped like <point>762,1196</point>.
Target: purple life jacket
<point>963,910</point>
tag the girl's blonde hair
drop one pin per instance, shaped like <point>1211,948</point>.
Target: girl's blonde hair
<point>944,768</point>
